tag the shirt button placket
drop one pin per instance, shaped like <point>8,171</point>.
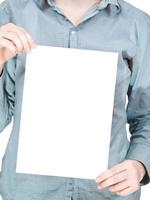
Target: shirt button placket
<point>73,38</point>
<point>69,189</point>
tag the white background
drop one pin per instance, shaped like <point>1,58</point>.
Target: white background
<point>145,6</point>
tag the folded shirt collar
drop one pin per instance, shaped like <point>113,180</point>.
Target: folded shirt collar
<point>103,4</point>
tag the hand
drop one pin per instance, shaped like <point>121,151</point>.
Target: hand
<point>13,40</point>
<point>124,178</point>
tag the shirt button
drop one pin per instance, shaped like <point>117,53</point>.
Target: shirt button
<point>73,32</point>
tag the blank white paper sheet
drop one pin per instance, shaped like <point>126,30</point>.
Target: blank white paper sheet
<point>67,112</point>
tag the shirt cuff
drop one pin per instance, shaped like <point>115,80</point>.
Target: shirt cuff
<point>146,177</point>
<point>141,153</point>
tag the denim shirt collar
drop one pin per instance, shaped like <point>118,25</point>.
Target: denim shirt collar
<point>103,4</point>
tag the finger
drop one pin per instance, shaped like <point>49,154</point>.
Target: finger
<point>127,191</point>
<point>119,186</point>
<point>11,36</point>
<point>8,45</point>
<point>22,34</point>
<point>24,39</point>
<point>31,42</point>
<point>114,179</point>
<point>110,172</point>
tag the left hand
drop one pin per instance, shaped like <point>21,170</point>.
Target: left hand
<point>123,178</point>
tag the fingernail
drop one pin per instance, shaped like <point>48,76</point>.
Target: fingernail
<point>34,45</point>
<point>99,187</point>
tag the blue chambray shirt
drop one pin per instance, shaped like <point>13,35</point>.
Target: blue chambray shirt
<point>111,25</point>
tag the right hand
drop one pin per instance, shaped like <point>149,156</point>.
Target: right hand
<point>13,40</point>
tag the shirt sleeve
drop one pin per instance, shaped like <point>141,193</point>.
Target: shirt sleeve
<point>7,79</point>
<point>138,107</point>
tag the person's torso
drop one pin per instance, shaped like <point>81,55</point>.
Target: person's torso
<point>105,28</point>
